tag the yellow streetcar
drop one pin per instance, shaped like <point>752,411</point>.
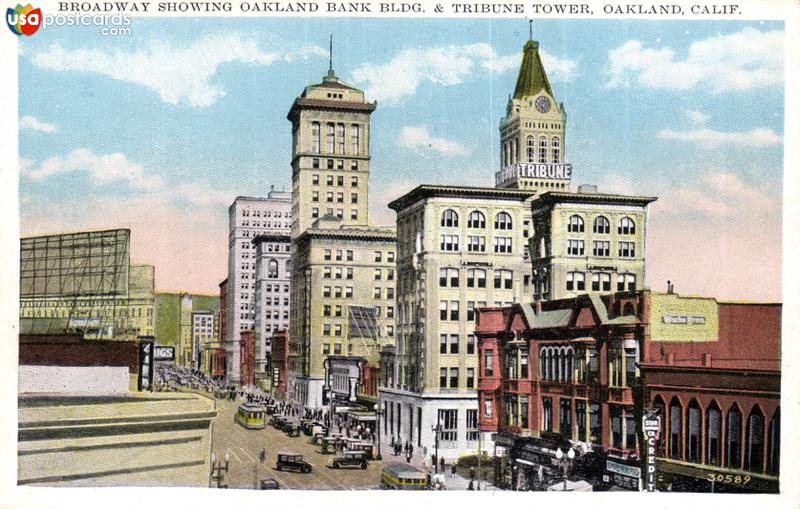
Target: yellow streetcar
<point>403,476</point>
<point>251,416</point>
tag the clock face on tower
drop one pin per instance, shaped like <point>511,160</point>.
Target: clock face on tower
<point>542,104</point>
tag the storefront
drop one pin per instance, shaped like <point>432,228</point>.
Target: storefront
<point>680,476</point>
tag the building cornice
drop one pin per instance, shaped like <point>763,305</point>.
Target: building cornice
<point>431,191</point>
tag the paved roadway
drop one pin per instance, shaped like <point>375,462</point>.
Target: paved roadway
<point>244,446</point>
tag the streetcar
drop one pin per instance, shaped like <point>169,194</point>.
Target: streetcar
<point>250,416</point>
<point>403,476</point>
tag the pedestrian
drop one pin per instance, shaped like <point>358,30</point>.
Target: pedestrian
<point>408,457</point>
<point>472,473</point>
<point>441,464</point>
<point>433,461</point>
<point>411,449</point>
<point>470,487</point>
<point>453,469</point>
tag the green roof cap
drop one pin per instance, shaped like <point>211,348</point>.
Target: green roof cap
<point>532,79</point>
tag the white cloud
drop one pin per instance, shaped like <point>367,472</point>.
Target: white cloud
<point>104,169</point>
<point>710,138</point>
<point>744,60</point>
<point>420,140</point>
<point>445,66</point>
<point>33,123</point>
<point>698,117</point>
<point>179,73</point>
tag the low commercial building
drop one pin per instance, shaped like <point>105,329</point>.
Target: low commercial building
<point>718,398</point>
<point>572,372</point>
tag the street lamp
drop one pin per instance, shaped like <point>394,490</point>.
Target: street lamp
<point>565,462</point>
<point>217,468</point>
<point>436,430</point>
<point>378,414</point>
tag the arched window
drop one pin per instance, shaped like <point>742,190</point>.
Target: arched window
<point>531,149</point>
<point>713,434</point>
<point>733,438</point>
<point>476,219</point>
<point>505,154</point>
<point>575,224</point>
<point>556,144</point>
<point>449,218</point>
<point>272,269</point>
<point>315,137</point>
<point>502,221</point>
<point>340,138</point>
<point>543,364</point>
<point>675,425</point>
<point>754,441</point>
<point>693,432</point>
<point>543,149</point>
<point>288,267</point>
<point>626,226</point>
<point>330,138</point>
<point>515,144</point>
<point>568,364</point>
<point>774,443</point>
<point>601,225</point>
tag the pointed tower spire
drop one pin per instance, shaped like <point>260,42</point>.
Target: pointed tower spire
<point>331,76</point>
<point>530,29</point>
<point>532,77</point>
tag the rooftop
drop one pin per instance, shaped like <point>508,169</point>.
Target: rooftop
<point>431,191</point>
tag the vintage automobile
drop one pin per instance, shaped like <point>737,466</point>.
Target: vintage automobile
<point>350,459</point>
<point>292,461</point>
<point>269,484</point>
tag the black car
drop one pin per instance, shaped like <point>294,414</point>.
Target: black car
<point>350,459</point>
<point>269,484</point>
<point>292,461</point>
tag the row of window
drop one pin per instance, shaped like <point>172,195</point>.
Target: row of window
<point>625,226</point>
<point>329,197</point>
<point>475,244</point>
<point>476,219</point>
<point>336,292</point>
<point>601,282</point>
<point>536,150</point>
<point>601,248</point>
<point>338,213</point>
<point>451,376</point>
<point>338,179</point>
<point>265,213</point>
<point>449,344</point>
<point>335,138</point>
<point>336,310</point>
<point>347,255</point>
<point>272,268</point>
<point>447,419</point>
<point>476,278</point>
<point>263,224</point>
<point>330,164</point>
<point>722,434</point>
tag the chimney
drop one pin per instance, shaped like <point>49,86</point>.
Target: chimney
<point>538,307</point>
<point>670,358</point>
<point>587,189</point>
<point>706,357</point>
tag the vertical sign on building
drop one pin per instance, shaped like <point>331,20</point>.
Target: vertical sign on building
<point>146,363</point>
<point>651,425</point>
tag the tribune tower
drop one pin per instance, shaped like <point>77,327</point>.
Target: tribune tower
<point>532,147</point>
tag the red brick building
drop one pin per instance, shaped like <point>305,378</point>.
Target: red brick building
<point>571,373</point>
<point>719,403</point>
<point>279,361</point>
<point>247,356</point>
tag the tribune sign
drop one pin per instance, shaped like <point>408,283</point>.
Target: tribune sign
<point>553,171</point>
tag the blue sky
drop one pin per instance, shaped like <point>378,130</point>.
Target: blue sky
<point>169,124</point>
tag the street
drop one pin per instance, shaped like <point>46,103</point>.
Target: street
<point>244,446</point>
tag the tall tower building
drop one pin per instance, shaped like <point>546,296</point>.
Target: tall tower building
<point>330,154</point>
<point>532,145</point>
<point>343,276</point>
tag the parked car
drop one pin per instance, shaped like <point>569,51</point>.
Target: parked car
<point>269,484</point>
<point>350,459</point>
<point>292,461</point>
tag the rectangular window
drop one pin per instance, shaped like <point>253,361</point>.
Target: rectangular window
<point>453,343</point>
<point>354,181</point>
<point>601,248</point>
<point>390,293</point>
<point>337,329</point>
<point>454,378</point>
<point>326,349</point>
<point>449,422</point>
<point>476,244</point>
<point>565,417</point>
<point>470,344</point>
<point>326,291</point>
<point>327,255</point>
<point>627,249</point>
<point>337,349</point>
<point>472,424</point>
<point>378,273</point>
<point>449,243</point>
<point>348,292</point>
<point>454,310</point>
<point>471,311</point>
<point>575,247</point>
<point>390,256</point>
<point>580,419</point>
<point>349,273</point>
<point>502,244</point>
<point>488,363</point>
<point>340,180</point>
<point>329,179</point>
<point>442,343</point>
<point>443,378</point>
<point>376,293</point>
<point>340,137</point>
<point>443,310</point>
